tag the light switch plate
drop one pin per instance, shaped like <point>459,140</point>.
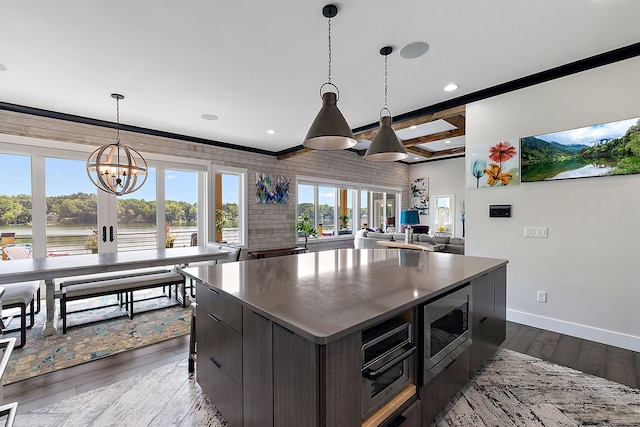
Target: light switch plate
<point>535,232</point>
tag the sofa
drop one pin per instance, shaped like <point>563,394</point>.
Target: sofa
<point>365,239</point>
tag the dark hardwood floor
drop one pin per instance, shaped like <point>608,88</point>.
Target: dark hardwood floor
<point>613,363</point>
<point>49,388</point>
<point>616,364</point>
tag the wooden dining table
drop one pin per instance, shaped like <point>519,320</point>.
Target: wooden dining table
<point>51,268</point>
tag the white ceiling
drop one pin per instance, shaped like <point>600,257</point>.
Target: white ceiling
<point>259,65</point>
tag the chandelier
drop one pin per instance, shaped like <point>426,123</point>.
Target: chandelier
<point>116,168</point>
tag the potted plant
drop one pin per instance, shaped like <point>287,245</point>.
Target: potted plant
<point>344,221</point>
<point>170,237</point>
<point>304,227</point>
<point>222,220</point>
<point>91,243</point>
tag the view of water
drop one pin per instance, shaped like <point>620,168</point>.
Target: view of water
<point>71,240</point>
<point>585,171</point>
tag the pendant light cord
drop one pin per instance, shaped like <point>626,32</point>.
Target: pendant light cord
<point>386,57</point>
<point>117,121</point>
<point>329,80</point>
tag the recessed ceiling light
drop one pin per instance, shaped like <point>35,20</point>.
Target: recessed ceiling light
<point>447,142</point>
<point>412,127</point>
<point>414,50</point>
<point>209,117</point>
<point>451,87</point>
<point>3,67</point>
<point>271,132</point>
<point>416,158</point>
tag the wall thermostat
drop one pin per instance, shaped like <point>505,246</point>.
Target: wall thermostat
<point>499,211</point>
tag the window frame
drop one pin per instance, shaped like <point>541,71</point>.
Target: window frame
<point>355,205</point>
<point>39,149</point>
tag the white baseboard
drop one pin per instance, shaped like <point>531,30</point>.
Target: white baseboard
<point>603,336</point>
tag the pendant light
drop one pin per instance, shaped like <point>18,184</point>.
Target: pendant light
<point>329,130</point>
<point>116,168</point>
<point>386,146</point>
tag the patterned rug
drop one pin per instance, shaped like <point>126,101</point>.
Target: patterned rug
<point>112,332</point>
<point>514,389</point>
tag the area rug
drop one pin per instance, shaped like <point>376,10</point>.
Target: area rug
<point>511,390</point>
<point>514,389</point>
<point>163,397</point>
<point>111,333</point>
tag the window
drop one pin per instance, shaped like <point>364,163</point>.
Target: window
<point>15,205</point>
<point>443,218</point>
<point>72,217</point>
<point>230,202</point>
<point>72,208</point>
<point>337,208</point>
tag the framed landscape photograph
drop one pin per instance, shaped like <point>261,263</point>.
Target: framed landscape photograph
<point>598,150</point>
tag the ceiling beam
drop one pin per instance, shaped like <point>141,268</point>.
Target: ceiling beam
<point>434,137</point>
<point>293,154</point>
<point>449,113</point>
<point>435,154</point>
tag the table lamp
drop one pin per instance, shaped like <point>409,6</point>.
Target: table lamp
<point>409,217</point>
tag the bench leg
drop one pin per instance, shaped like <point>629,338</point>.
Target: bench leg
<point>32,316</point>
<point>23,325</point>
<point>130,298</point>
<point>63,313</point>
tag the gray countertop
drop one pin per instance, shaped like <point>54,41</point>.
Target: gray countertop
<point>326,295</point>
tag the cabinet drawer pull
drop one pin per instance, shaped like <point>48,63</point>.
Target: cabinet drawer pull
<point>212,290</point>
<point>398,421</point>
<point>215,362</point>
<point>484,319</point>
<point>213,317</point>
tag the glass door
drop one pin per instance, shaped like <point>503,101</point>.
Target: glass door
<point>71,209</point>
<point>15,207</point>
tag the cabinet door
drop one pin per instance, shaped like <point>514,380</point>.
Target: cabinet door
<point>482,321</point>
<point>295,379</point>
<point>438,392</point>
<point>500,311</point>
<point>258,370</point>
<point>217,384</point>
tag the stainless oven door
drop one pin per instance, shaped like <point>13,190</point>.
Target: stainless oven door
<point>446,330</point>
<point>385,377</point>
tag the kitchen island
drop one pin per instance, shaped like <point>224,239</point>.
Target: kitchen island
<point>279,340</point>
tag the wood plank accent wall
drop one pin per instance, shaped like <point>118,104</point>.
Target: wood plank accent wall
<point>269,225</point>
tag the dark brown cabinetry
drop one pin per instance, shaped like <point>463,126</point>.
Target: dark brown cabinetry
<point>258,372</point>
<point>219,355</point>
<point>488,317</point>
<point>488,331</point>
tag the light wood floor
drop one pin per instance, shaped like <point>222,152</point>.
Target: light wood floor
<point>622,366</point>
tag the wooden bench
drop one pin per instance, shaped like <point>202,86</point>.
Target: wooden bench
<point>122,284</point>
<point>277,252</point>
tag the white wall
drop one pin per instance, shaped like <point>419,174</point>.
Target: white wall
<point>446,177</point>
<point>590,261</point>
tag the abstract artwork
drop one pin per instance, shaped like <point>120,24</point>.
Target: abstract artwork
<point>599,150</point>
<point>420,195</point>
<point>272,188</point>
<point>493,165</point>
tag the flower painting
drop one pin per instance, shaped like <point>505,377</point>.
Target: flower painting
<point>420,195</point>
<point>493,165</point>
<point>272,188</point>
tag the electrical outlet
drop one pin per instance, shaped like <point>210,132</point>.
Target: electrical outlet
<point>542,296</point>
<point>535,232</point>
